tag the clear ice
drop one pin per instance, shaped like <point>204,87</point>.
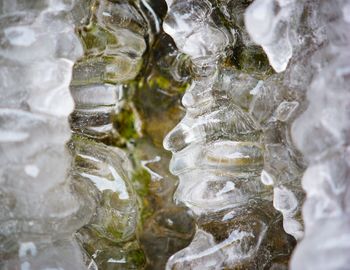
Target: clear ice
<point>259,143</point>
<point>113,36</point>
<point>224,149</point>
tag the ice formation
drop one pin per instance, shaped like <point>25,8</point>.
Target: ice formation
<point>269,25</point>
<point>265,118</point>
<point>113,35</point>
<point>39,212</point>
<point>102,176</point>
<point>319,65</point>
<point>322,134</point>
<point>225,148</point>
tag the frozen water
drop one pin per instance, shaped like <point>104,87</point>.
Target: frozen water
<point>238,152</point>
<point>218,147</point>
<point>200,253</point>
<point>115,38</point>
<point>191,26</point>
<point>102,174</point>
<point>322,135</point>
<point>268,23</point>
<point>39,211</point>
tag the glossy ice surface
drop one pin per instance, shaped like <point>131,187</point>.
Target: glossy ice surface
<point>174,134</point>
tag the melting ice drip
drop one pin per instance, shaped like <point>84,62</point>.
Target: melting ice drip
<point>39,213</point>
<point>268,23</point>
<point>322,133</point>
<point>218,154</point>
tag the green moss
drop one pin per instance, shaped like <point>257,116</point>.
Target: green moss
<point>141,179</point>
<point>125,123</point>
<point>249,59</point>
<point>163,83</point>
<point>95,38</point>
<point>137,257</point>
<point>83,139</point>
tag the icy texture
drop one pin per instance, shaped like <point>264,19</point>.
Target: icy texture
<point>224,142</point>
<point>102,175</point>
<point>276,106</point>
<point>166,228</point>
<point>191,26</point>
<point>322,134</point>
<point>285,91</point>
<point>269,25</point>
<point>105,170</point>
<point>115,108</point>
<point>239,171</point>
<point>38,211</point>
<point>113,35</point>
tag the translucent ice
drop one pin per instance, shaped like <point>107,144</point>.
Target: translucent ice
<point>194,31</point>
<point>268,23</point>
<point>114,36</point>
<point>218,147</point>
<point>39,211</point>
<point>101,177</point>
<point>321,133</point>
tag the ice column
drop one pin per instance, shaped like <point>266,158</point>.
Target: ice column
<point>114,35</point>
<point>38,211</point>
<point>322,134</point>
<point>303,34</point>
<point>218,153</point>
